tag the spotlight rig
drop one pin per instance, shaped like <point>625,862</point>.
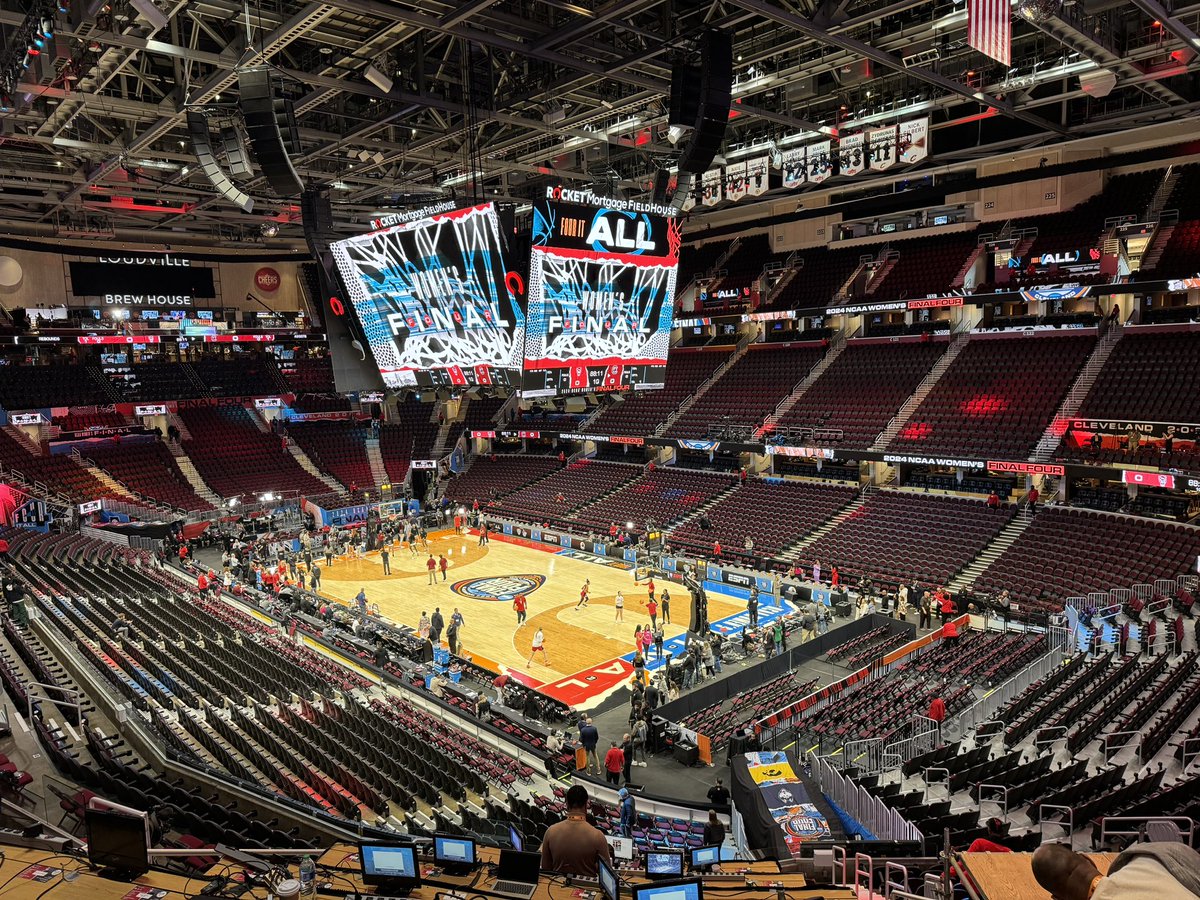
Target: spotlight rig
<point>26,44</point>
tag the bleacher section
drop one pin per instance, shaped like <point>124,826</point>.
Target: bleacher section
<point>34,387</point>
<point>862,389</point>
<point>642,411</point>
<point>773,515</point>
<point>236,459</point>
<point>664,495</point>
<point>337,448</point>
<point>1068,553</point>
<point>897,536</point>
<point>246,376</point>
<point>308,375</point>
<point>819,278</point>
<point>580,483</point>
<point>926,266</point>
<point>750,389</point>
<point>487,479</point>
<point>148,469</point>
<point>58,474</point>
<point>997,398</point>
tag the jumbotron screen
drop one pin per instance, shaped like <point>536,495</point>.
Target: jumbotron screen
<point>435,299</point>
<point>601,294</point>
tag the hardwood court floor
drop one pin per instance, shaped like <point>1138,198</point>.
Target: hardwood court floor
<point>575,639</point>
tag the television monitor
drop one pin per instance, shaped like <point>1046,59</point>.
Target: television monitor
<point>514,838</point>
<point>610,887</point>
<point>392,867</point>
<point>436,302</point>
<point>686,889</point>
<point>454,853</point>
<point>705,856</point>
<point>622,847</point>
<point>117,841</point>
<point>664,863</point>
<point>601,294</point>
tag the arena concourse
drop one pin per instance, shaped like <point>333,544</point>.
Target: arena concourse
<point>644,450</point>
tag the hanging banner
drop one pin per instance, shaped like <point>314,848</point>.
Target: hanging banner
<point>795,167</point>
<point>757,175</point>
<point>710,187</point>
<point>851,159</point>
<point>820,162</point>
<point>913,142</point>
<point>689,202</point>
<point>881,146</point>
<point>735,181</point>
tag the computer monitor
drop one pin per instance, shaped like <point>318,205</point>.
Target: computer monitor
<point>610,887</point>
<point>391,867</point>
<point>664,863</point>
<point>688,889</point>
<point>705,856</point>
<point>622,847</point>
<point>117,841</point>
<point>453,852</point>
<point>514,838</point>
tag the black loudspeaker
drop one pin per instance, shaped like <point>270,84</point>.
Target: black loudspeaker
<point>257,89</point>
<point>662,180</point>
<point>235,152</point>
<point>716,94</point>
<point>202,147</point>
<point>285,118</point>
<point>316,215</point>
<point>685,94</point>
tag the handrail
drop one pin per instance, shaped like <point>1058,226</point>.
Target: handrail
<point>1068,825</point>
<point>1188,828</point>
<point>1004,795</point>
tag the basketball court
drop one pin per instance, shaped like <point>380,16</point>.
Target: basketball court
<point>589,654</point>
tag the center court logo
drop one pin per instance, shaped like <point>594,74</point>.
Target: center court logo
<point>502,588</point>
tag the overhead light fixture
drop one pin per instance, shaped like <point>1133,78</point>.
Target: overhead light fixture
<point>378,79</point>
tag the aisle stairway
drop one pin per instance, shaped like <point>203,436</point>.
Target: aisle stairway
<point>189,472</point>
<point>1052,436</point>
<point>375,458</point>
<point>785,405</point>
<point>742,347</point>
<point>927,384</point>
<point>965,580</point>
<point>310,467</point>
<point>792,553</point>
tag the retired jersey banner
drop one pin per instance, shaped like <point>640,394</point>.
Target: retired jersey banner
<point>710,187</point>
<point>913,143</point>
<point>881,147</point>
<point>735,181</point>
<point>795,167</point>
<point>820,162</point>
<point>757,175</point>
<point>851,158</point>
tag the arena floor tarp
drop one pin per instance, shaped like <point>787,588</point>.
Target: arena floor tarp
<point>779,814</point>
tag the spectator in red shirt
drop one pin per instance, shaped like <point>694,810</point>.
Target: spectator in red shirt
<point>997,833</point>
<point>937,710</point>
<point>993,500</point>
<point>614,762</point>
<point>202,582</point>
<point>183,552</point>
<point>652,610</point>
<point>443,564</point>
<point>950,632</point>
<point>1033,496</point>
<point>431,565</point>
<point>716,548</point>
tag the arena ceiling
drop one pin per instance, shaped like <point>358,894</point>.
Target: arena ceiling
<point>532,91</point>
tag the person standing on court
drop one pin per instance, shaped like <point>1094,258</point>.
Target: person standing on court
<point>520,604</point>
<point>436,624</point>
<point>386,559</point>
<point>589,737</point>
<point>665,600</point>
<point>457,618</point>
<point>443,564</point>
<point>572,846</point>
<point>626,756</point>
<point>652,609</point>
<point>431,565</point>
<point>539,646</point>
<point>452,638</point>
<point>619,602</point>
<point>752,607</point>
<point>361,600</point>
<point>658,642</point>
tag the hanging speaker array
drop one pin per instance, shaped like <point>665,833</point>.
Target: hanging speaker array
<point>202,146</point>
<point>271,127</point>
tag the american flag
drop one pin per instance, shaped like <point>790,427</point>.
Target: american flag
<point>989,28</point>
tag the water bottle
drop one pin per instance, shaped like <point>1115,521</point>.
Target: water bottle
<point>308,877</point>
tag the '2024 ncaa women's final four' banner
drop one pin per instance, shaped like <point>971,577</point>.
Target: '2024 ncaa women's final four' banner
<point>436,301</point>
<point>601,294</point>
<point>776,809</point>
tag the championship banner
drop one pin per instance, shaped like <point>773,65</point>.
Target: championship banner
<point>795,167</point>
<point>851,158</point>
<point>710,187</point>
<point>881,146</point>
<point>735,181</point>
<point>757,175</point>
<point>772,773</point>
<point>779,816</point>
<point>436,301</point>
<point>912,144</point>
<point>820,162</point>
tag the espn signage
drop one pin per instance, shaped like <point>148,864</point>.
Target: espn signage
<point>1148,479</point>
<point>1026,468</point>
<point>150,409</point>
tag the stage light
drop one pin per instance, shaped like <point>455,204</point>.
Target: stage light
<point>234,501</point>
<point>378,79</point>
<point>629,525</point>
<point>5,103</point>
<point>47,26</point>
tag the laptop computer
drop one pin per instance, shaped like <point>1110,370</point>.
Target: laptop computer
<point>517,874</point>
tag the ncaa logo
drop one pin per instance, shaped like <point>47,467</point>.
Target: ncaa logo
<point>502,588</point>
